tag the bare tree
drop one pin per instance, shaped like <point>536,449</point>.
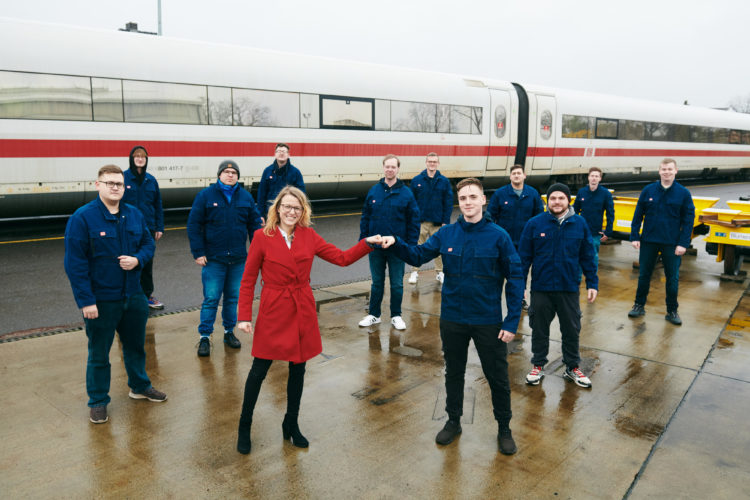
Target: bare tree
<point>250,113</point>
<point>740,104</point>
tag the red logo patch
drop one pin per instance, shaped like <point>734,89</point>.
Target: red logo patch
<point>216,204</point>
<point>450,249</point>
<point>270,176</point>
<point>650,199</point>
<point>542,235</point>
<point>127,187</point>
<point>506,202</point>
<point>103,233</point>
<point>373,201</point>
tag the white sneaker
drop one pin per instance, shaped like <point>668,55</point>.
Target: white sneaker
<point>398,323</point>
<point>440,277</point>
<point>535,376</point>
<point>369,320</point>
<point>413,277</point>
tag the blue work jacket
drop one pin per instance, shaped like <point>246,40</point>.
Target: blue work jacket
<point>273,180</point>
<point>146,197</point>
<point>477,259</point>
<point>591,205</point>
<point>94,239</point>
<point>390,211</point>
<point>219,229</point>
<point>667,215</point>
<point>556,251</point>
<point>434,197</point>
<point>510,211</point>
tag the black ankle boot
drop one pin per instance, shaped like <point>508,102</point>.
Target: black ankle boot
<point>243,439</point>
<point>290,429</point>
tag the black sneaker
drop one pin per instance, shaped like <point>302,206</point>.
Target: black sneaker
<point>636,311</point>
<point>524,305</point>
<point>505,442</point>
<point>98,414</point>
<point>448,433</point>
<point>231,340</point>
<point>673,318</point>
<point>204,347</point>
<point>151,394</point>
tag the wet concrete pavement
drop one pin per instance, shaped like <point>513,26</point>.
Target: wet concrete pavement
<point>666,417</point>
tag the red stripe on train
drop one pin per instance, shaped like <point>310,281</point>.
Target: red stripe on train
<point>55,148</point>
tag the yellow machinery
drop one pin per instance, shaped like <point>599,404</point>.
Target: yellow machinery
<point>729,235</point>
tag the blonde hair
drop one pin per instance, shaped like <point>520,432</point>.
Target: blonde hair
<point>273,213</point>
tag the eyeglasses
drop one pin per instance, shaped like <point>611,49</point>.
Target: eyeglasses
<point>113,185</point>
<point>291,208</point>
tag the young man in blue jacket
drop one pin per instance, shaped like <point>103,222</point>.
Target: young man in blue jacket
<point>556,244</point>
<point>390,208</point>
<point>276,176</point>
<point>513,205</point>
<point>591,203</point>
<point>142,191</point>
<point>435,200</point>
<point>479,258</point>
<point>221,222</point>
<point>666,210</point>
<point>106,244</point>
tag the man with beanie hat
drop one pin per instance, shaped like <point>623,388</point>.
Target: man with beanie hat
<point>221,222</point>
<point>555,245</point>
<point>142,191</point>
<point>276,176</point>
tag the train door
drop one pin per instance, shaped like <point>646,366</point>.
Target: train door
<point>543,124</point>
<point>500,144</point>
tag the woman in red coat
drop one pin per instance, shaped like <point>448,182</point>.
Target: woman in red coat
<point>287,324</point>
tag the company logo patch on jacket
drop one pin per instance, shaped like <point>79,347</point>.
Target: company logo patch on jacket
<point>650,199</point>
<point>542,235</point>
<point>127,187</point>
<point>216,204</point>
<point>450,249</point>
<point>103,233</point>
<point>506,202</point>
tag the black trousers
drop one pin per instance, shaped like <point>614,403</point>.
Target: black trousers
<point>493,354</point>
<point>255,378</point>
<point>147,278</point>
<point>544,306</point>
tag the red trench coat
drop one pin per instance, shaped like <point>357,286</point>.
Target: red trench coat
<point>287,324</point>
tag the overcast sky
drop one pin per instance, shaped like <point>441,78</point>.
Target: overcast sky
<point>666,50</point>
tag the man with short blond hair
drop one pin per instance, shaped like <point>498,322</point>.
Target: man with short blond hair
<point>435,199</point>
<point>106,244</point>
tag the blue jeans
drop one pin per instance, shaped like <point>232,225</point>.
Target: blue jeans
<point>378,260</point>
<point>596,240</point>
<point>220,278</point>
<point>128,317</point>
<point>648,255</point>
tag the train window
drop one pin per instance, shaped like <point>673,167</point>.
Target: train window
<point>443,120</point>
<point>735,137</point>
<point>721,135</point>
<point>382,114</point>
<point>476,120</point>
<point>107,98</point>
<point>500,121</point>
<point>415,117</point>
<point>154,102</point>
<point>219,105</point>
<point>631,130</point>
<point>701,134</point>
<point>606,128</point>
<point>347,112</point>
<point>545,125</point>
<point>309,110</point>
<point>264,108</point>
<point>461,119</point>
<point>682,133</point>
<point>577,127</point>
<point>45,97</point>
<point>746,137</point>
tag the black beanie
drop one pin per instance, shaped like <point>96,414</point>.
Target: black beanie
<point>230,164</point>
<point>559,186</point>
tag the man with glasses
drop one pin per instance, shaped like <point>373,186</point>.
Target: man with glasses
<point>221,222</point>
<point>142,191</point>
<point>106,245</point>
<point>278,174</point>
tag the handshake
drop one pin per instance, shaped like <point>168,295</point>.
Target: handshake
<point>383,241</point>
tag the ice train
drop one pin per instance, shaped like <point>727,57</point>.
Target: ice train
<point>73,99</point>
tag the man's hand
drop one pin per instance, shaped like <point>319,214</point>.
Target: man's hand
<point>506,336</point>
<point>263,222</point>
<point>127,262</point>
<point>90,312</point>
<point>388,241</point>
<point>603,238</point>
<point>678,250</point>
<point>636,244</point>
<point>592,293</point>
<point>374,240</point>
<point>201,261</point>
<point>158,235</point>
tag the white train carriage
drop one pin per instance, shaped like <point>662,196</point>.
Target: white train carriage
<point>74,99</point>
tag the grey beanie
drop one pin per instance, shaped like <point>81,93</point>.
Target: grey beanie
<point>230,164</point>
<point>559,186</point>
